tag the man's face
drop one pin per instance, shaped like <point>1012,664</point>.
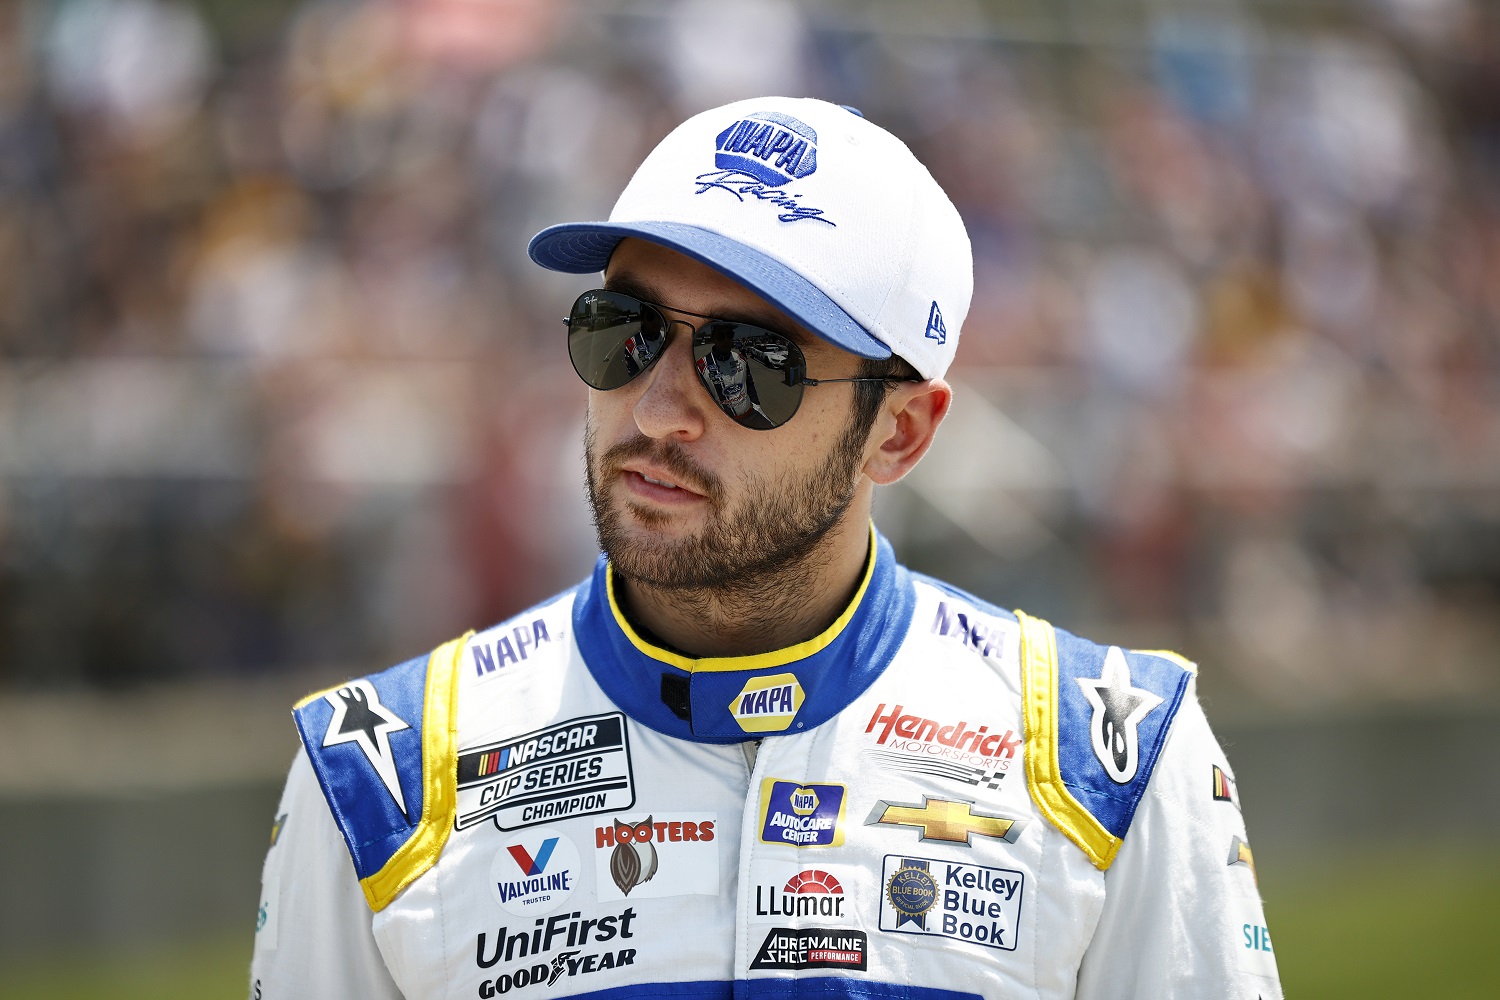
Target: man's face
<point>685,497</point>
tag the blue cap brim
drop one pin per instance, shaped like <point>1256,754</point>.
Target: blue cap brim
<point>582,247</point>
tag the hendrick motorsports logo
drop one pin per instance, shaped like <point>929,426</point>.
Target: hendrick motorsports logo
<point>964,902</point>
<point>574,768</point>
<point>535,873</point>
<point>918,745</point>
<point>803,815</point>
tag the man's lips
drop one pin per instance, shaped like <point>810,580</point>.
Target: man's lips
<point>654,483</point>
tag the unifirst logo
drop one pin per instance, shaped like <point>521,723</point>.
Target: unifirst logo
<point>772,147</point>
<point>768,704</point>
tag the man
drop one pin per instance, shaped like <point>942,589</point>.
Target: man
<point>726,374</point>
<point>753,755</point>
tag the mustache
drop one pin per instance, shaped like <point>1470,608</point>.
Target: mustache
<point>671,457</point>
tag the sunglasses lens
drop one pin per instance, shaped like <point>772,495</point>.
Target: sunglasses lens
<point>612,338</point>
<point>752,374</point>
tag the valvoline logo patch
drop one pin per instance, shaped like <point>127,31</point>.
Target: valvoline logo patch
<point>803,814</point>
<point>768,704</point>
<point>535,872</point>
<point>772,147</point>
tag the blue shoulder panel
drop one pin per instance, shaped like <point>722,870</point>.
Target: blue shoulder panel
<point>365,742</point>
<point>1114,709</point>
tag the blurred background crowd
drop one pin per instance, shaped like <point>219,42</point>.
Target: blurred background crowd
<point>282,400</point>
<point>279,386</point>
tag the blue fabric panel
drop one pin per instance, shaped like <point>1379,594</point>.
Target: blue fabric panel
<point>1112,803</point>
<point>830,986</point>
<point>373,823</point>
<point>830,678</point>
<point>697,990</point>
<point>777,988</point>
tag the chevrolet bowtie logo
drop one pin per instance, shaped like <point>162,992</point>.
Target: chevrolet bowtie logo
<point>940,819</point>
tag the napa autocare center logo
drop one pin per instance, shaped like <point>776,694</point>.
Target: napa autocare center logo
<point>803,814</point>
<point>972,903</point>
<point>759,157</point>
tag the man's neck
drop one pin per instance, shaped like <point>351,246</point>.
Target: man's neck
<point>763,614</point>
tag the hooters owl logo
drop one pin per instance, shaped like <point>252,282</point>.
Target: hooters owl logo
<point>633,861</point>
<point>664,854</point>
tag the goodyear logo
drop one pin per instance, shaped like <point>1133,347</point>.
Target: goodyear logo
<point>767,704</point>
<point>771,147</point>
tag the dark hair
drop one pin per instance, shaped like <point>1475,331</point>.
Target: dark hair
<point>869,395</point>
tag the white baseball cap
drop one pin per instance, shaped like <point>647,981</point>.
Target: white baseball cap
<point>820,212</point>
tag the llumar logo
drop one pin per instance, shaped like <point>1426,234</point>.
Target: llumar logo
<point>809,893</point>
<point>768,704</point>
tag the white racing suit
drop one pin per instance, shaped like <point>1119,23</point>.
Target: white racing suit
<point>932,800</point>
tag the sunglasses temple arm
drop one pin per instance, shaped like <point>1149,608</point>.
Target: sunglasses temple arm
<point>823,381</point>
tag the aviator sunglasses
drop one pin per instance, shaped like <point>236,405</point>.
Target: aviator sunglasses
<point>754,375</point>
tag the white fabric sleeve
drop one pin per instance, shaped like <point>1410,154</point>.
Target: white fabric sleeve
<point>313,939</point>
<point>1182,915</point>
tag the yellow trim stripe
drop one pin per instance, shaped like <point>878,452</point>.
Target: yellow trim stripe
<point>1039,678</point>
<point>755,661</point>
<point>439,780</point>
<point>316,695</point>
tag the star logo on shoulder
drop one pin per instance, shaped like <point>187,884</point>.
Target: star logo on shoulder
<point>359,717</point>
<point>1118,711</point>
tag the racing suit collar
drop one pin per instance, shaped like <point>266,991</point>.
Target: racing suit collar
<point>729,699</point>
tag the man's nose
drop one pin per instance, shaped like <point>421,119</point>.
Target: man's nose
<point>672,403</point>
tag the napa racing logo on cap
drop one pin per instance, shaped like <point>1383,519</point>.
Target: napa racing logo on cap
<point>758,156</point>
<point>535,873</point>
<point>768,704</point>
<point>809,814</point>
<point>769,146</point>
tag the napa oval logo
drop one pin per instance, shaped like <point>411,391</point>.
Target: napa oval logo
<point>772,147</point>
<point>768,704</point>
<point>804,801</point>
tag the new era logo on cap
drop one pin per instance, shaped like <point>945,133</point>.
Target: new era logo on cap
<point>936,329</point>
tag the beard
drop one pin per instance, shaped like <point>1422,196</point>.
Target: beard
<point>771,528</point>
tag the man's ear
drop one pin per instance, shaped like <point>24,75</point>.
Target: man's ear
<point>905,427</point>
